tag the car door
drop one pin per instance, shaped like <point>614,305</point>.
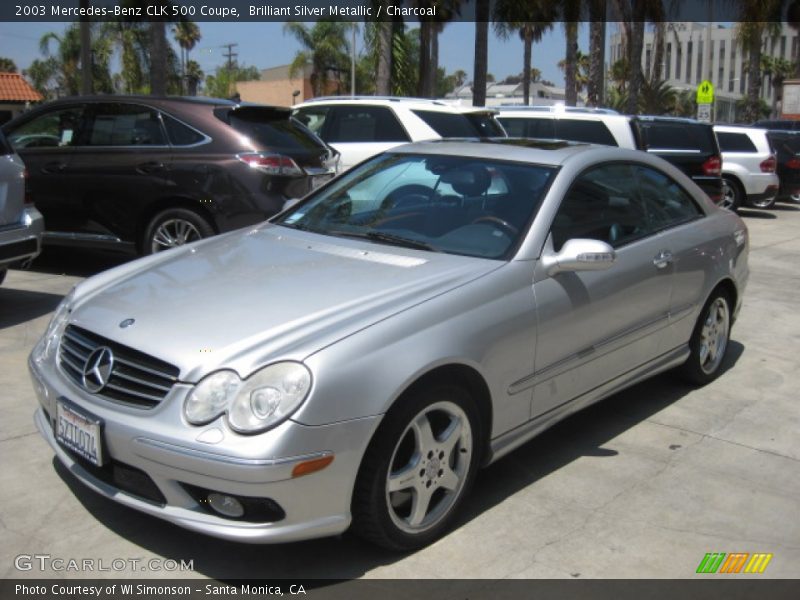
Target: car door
<point>358,132</point>
<point>120,166</point>
<point>45,141</point>
<point>594,326</point>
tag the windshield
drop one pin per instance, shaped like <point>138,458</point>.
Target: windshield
<point>452,204</point>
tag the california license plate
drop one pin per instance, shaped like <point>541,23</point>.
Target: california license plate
<point>79,432</point>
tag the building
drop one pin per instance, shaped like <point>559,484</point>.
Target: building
<point>498,94</point>
<point>16,95</point>
<point>686,61</point>
<point>276,87</point>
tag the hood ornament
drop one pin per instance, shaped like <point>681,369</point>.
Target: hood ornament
<point>127,323</point>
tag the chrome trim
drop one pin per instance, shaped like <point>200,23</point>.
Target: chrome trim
<point>96,237</point>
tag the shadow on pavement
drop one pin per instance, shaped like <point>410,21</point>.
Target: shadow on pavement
<point>18,306</point>
<point>751,213</point>
<point>77,262</point>
<point>346,556</point>
<point>787,206</point>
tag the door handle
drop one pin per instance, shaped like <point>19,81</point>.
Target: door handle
<point>663,259</point>
<point>55,166</point>
<point>151,167</point>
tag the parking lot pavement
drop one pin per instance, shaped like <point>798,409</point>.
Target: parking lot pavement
<point>643,484</point>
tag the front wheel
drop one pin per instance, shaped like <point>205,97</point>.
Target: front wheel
<point>732,194</point>
<point>417,469</point>
<point>709,342</point>
<point>174,227</point>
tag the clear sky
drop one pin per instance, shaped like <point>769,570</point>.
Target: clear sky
<point>264,45</point>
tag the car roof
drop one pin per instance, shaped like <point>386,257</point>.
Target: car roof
<point>162,100</point>
<point>548,152</point>
<point>412,103</point>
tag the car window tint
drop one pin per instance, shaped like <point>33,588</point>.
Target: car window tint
<point>735,142</point>
<point>529,128</point>
<point>274,129</point>
<point>665,203</point>
<point>514,127</point>
<point>53,129</point>
<point>458,125</point>
<point>313,118</point>
<point>5,148</point>
<point>118,124</point>
<point>602,204</point>
<point>364,124</point>
<point>180,134</point>
<point>677,136</point>
<point>579,130</point>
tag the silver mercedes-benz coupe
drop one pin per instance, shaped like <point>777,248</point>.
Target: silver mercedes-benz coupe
<point>354,361</point>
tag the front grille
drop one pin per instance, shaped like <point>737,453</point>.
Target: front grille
<point>136,378</point>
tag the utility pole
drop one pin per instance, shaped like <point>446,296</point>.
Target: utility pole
<point>353,63</point>
<point>231,56</point>
<point>86,51</point>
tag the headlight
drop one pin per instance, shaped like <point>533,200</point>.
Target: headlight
<point>261,401</point>
<point>47,345</point>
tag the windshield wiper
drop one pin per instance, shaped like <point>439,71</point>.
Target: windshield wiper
<point>387,238</point>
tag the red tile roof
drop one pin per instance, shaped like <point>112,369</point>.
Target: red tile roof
<point>14,88</point>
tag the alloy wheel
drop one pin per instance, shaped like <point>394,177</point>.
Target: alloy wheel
<point>172,233</point>
<point>714,336</point>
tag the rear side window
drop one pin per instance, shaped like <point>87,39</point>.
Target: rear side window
<point>313,118</point>
<point>691,137</point>
<point>180,134</point>
<point>735,142</point>
<point>664,202</point>
<point>53,129</point>
<point>363,124</point>
<point>274,129</point>
<point>456,125</point>
<point>579,130</point>
<point>115,124</point>
<point>529,128</point>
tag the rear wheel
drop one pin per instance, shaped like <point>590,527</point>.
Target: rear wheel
<point>417,469</point>
<point>174,227</point>
<point>767,203</point>
<point>732,194</point>
<point>709,342</point>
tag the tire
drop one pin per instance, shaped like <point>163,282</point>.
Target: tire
<point>732,194</point>
<point>409,463</point>
<point>174,227</point>
<point>710,340</point>
<point>763,204</point>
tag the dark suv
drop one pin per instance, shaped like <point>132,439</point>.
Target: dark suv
<point>688,144</point>
<point>148,173</point>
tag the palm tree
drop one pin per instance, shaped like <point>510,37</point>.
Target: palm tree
<point>132,40</point>
<point>158,58</point>
<point>656,97</point>
<point>793,21</point>
<point>66,60</point>
<point>581,73</point>
<point>187,34</point>
<point>597,47</point>
<point>481,65</point>
<point>325,49</point>
<point>633,14</point>
<point>383,79</point>
<point>193,76</point>
<point>7,65</point>
<point>776,70</point>
<point>531,20</point>
<point>756,20</point>
<point>571,54</point>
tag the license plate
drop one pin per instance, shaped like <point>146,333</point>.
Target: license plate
<point>318,180</point>
<point>79,432</point>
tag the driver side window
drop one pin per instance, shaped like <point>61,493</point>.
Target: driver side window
<point>602,204</point>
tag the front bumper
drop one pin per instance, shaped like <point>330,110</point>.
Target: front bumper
<point>23,240</point>
<point>158,443</point>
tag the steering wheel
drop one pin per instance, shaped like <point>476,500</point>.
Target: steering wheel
<point>497,221</point>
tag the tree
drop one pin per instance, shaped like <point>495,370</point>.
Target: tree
<point>222,84</point>
<point>530,20</point>
<point>383,39</point>
<point>571,11</point>
<point>793,21</point>
<point>325,49</point>
<point>754,24</point>
<point>193,75</point>
<point>42,73</point>
<point>460,77</point>
<point>65,51</point>
<point>656,98</point>
<point>7,65</point>
<point>582,64</point>
<point>595,93</point>
<point>187,34</point>
<point>776,70</point>
<point>158,58</point>
<point>481,64</point>
<point>131,38</point>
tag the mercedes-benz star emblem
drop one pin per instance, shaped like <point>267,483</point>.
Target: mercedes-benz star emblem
<point>97,370</point>
<point>127,323</point>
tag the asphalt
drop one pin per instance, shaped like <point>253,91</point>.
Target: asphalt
<point>643,484</point>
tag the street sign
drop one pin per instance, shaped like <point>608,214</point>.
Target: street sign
<point>705,92</point>
<point>704,113</point>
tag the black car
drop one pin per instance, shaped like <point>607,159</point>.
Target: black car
<point>688,144</point>
<point>786,145</point>
<point>148,173</point>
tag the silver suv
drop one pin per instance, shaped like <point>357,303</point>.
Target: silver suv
<point>748,167</point>
<point>21,225</point>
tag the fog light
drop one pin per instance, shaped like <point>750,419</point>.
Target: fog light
<point>225,505</point>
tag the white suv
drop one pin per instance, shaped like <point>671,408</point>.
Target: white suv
<point>748,167</point>
<point>362,126</point>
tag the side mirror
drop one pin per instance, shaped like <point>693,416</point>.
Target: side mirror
<point>580,255</point>
<point>290,203</point>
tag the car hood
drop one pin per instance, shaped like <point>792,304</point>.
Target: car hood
<point>244,299</point>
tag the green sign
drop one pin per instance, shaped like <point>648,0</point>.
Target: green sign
<point>705,93</point>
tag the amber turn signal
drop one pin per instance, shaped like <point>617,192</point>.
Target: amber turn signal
<point>311,466</point>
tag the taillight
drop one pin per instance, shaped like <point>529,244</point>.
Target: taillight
<point>27,187</point>
<point>713,166</point>
<point>272,164</point>
<point>768,165</point>
<point>793,163</point>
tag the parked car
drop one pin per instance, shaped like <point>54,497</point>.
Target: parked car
<point>21,224</point>
<point>687,144</point>
<point>779,124</point>
<point>418,317</point>
<point>144,173</point>
<point>787,150</point>
<point>363,126</point>
<point>749,166</point>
